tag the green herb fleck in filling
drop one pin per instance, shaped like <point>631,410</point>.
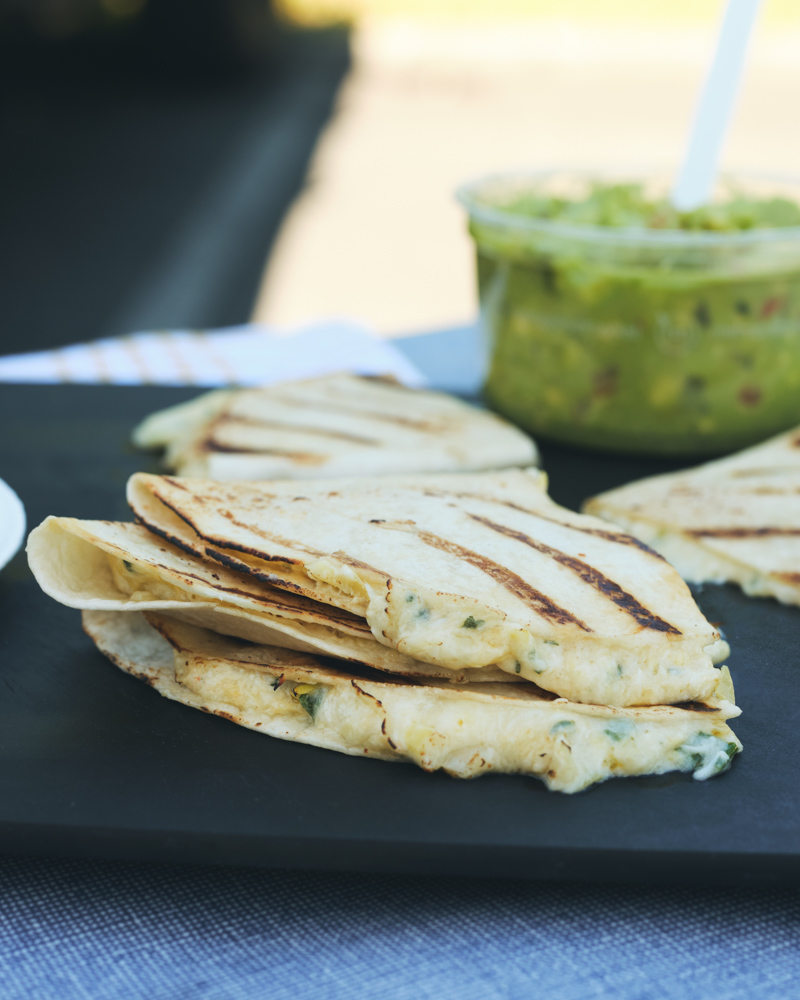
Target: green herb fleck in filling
<point>618,730</point>
<point>470,622</point>
<point>310,698</point>
<point>563,726</point>
<point>708,755</point>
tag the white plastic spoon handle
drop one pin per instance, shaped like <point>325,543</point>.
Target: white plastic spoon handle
<point>713,115</point>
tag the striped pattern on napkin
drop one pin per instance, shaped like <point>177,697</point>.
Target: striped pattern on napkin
<point>238,356</point>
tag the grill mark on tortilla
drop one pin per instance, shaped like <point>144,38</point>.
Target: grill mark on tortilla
<point>610,536</point>
<point>350,561</point>
<point>767,491</point>
<point>179,543</point>
<point>770,470</point>
<point>290,543</point>
<point>741,532</point>
<point>300,457</point>
<point>232,418</point>
<point>389,418</point>
<point>590,575</point>
<point>178,485</point>
<point>175,510</point>
<point>241,567</point>
<point>320,612</point>
<point>513,583</point>
<point>338,615</point>
<point>789,577</point>
<point>236,546</point>
<point>223,543</point>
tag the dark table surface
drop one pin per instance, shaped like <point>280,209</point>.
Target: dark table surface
<point>97,765</point>
<point>72,928</point>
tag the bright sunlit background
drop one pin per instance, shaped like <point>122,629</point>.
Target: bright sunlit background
<point>441,91</point>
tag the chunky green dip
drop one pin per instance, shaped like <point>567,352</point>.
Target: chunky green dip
<point>615,321</point>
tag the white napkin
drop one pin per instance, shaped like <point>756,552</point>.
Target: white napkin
<point>238,355</point>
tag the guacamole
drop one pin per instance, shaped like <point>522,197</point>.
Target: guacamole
<point>615,321</point>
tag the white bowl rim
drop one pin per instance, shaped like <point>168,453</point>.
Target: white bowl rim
<point>12,523</point>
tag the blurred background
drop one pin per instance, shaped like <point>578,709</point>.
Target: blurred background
<point>193,163</point>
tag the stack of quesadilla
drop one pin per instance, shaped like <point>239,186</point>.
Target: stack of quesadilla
<point>339,425</point>
<point>736,519</point>
<point>463,622</point>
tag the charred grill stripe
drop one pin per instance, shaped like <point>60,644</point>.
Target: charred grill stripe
<point>608,588</point>
<point>300,457</point>
<point>232,418</point>
<point>179,543</point>
<point>741,532</point>
<point>175,510</point>
<point>302,606</point>
<point>289,543</point>
<point>389,418</point>
<point>223,542</point>
<point>236,564</point>
<point>520,588</point>
<point>176,483</point>
<point>770,470</point>
<point>357,564</point>
<point>619,537</point>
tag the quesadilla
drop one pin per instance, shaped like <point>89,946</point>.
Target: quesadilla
<point>462,571</point>
<point>735,519</point>
<point>123,567</point>
<point>466,731</point>
<point>340,425</point>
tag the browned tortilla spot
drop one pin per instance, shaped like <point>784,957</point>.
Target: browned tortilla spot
<point>520,588</point>
<point>589,574</point>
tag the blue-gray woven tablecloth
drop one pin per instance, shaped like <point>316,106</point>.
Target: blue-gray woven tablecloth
<point>80,929</point>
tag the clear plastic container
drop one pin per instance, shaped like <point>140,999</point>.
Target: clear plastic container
<point>659,341</point>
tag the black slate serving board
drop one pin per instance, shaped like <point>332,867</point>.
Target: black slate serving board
<point>95,764</point>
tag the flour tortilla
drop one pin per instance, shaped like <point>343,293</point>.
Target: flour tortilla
<point>123,567</point>
<point>462,571</point>
<point>339,425</point>
<point>736,519</point>
<point>466,731</point>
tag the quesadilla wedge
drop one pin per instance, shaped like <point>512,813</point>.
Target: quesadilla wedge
<point>736,519</point>
<point>462,571</point>
<point>339,425</point>
<point>123,567</point>
<point>466,731</point>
